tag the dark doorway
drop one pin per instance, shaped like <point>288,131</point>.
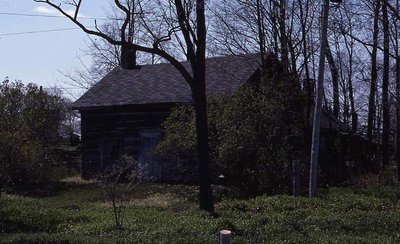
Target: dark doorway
<point>149,164</point>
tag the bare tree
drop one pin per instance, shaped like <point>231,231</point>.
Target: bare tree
<point>335,80</point>
<point>185,19</point>
<point>347,66</point>
<point>397,46</point>
<point>105,56</point>
<point>385,85</point>
<point>118,181</point>
<point>374,71</point>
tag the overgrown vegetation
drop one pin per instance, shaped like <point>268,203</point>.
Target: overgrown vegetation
<point>250,133</point>
<point>81,212</point>
<point>30,120</point>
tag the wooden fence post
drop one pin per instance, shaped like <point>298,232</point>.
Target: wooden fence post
<point>225,237</point>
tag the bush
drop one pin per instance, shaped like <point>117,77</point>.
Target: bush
<point>249,133</point>
<point>117,182</point>
<point>29,132</point>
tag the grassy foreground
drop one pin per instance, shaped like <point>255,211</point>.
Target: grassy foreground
<point>168,214</point>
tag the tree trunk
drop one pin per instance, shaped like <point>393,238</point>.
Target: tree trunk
<point>335,80</point>
<point>206,198</point>
<point>374,73</point>
<point>398,111</point>
<point>307,84</point>
<point>292,43</point>
<point>397,94</point>
<point>283,35</point>
<point>274,25</point>
<point>304,39</point>
<point>261,33</point>
<point>199,96</point>
<point>354,116</point>
<point>398,116</point>
<point>385,86</point>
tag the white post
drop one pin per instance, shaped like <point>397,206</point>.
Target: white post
<point>225,237</point>
<point>318,102</point>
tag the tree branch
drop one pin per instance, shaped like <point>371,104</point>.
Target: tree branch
<point>153,50</point>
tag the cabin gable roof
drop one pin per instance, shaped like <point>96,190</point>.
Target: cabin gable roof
<point>162,83</point>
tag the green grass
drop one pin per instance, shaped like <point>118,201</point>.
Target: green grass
<point>156,213</point>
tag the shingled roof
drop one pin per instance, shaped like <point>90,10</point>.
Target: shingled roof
<point>162,83</point>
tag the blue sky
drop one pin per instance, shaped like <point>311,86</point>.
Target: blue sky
<point>38,58</point>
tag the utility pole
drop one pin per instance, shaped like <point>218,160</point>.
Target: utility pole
<point>318,102</point>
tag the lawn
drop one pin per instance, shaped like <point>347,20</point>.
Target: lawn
<point>78,211</point>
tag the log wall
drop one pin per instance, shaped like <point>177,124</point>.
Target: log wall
<point>110,132</point>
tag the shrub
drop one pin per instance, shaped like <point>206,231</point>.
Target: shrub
<point>29,132</point>
<point>117,182</point>
<point>248,132</point>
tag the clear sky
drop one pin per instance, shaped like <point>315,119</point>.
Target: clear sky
<point>39,57</point>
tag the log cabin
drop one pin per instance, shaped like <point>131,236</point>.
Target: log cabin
<point>123,112</point>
